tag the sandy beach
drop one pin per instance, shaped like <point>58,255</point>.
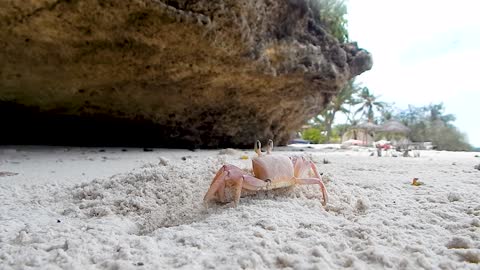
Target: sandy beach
<point>114,208</point>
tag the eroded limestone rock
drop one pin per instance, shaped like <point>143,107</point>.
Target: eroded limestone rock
<point>171,73</point>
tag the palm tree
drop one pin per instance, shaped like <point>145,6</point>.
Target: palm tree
<point>338,103</point>
<point>369,104</point>
<point>386,112</point>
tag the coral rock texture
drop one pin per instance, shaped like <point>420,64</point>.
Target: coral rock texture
<point>168,73</point>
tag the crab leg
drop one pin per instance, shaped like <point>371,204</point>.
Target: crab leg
<point>314,181</point>
<point>238,190</point>
<point>300,166</point>
<point>236,177</point>
<point>249,182</point>
<point>245,181</point>
<point>221,193</point>
<point>217,182</point>
<point>254,184</point>
<point>314,169</point>
<point>239,180</point>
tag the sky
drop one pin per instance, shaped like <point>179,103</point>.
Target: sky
<point>424,51</point>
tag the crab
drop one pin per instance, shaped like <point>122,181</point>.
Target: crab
<point>269,172</point>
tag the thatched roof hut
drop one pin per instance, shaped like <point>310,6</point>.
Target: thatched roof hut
<point>394,126</point>
<point>361,132</point>
<point>367,126</point>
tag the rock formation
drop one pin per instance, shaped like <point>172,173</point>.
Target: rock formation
<point>166,73</point>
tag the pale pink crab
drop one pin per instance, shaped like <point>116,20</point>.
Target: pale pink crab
<point>270,172</point>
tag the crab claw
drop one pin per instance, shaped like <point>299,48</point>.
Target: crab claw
<point>301,167</point>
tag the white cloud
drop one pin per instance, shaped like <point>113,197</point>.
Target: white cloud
<point>424,52</point>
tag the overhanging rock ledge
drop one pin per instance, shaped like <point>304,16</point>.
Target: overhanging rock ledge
<point>166,73</point>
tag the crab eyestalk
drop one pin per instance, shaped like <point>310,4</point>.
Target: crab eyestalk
<point>258,148</point>
<point>269,147</point>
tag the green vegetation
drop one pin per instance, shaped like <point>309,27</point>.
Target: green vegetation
<point>314,135</point>
<point>331,14</point>
<point>358,104</point>
<point>342,102</point>
<point>369,103</point>
<point>430,124</point>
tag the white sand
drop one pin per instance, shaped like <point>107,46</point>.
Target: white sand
<point>84,209</point>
